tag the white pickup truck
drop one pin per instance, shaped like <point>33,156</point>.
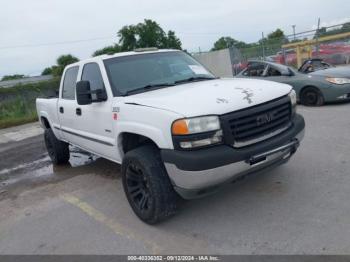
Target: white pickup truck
<point>175,128</point>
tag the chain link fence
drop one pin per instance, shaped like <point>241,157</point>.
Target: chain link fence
<point>332,44</point>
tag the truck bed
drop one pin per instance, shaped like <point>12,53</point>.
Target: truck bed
<point>47,108</point>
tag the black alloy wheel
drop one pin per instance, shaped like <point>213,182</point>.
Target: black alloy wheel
<point>138,188</point>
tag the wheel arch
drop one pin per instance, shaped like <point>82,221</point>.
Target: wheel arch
<point>45,122</point>
<point>130,140</point>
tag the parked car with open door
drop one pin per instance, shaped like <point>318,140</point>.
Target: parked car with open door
<point>313,89</point>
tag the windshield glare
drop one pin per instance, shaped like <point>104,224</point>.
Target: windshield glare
<point>136,71</point>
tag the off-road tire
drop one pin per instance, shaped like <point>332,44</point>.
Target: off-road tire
<point>144,176</point>
<point>58,151</point>
<point>311,96</point>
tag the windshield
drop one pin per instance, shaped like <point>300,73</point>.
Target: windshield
<point>144,71</point>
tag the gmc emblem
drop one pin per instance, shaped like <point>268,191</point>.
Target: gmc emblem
<point>265,118</point>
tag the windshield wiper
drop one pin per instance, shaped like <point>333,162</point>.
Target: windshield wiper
<point>160,85</point>
<point>194,78</point>
<point>148,87</point>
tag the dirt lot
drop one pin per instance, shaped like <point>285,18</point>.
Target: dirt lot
<point>301,207</point>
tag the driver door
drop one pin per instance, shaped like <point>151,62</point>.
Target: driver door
<point>93,122</point>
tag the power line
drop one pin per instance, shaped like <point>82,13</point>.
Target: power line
<point>294,35</point>
<point>79,41</point>
<point>56,43</point>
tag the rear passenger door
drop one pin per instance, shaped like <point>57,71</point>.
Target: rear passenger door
<point>67,104</point>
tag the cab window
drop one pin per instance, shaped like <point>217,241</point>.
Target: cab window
<point>69,82</point>
<point>92,73</point>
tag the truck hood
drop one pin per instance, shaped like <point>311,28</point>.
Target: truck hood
<point>218,96</point>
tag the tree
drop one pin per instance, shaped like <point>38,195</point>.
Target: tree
<point>108,50</point>
<point>12,77</point>
<point>273,42</point>
<point>277,34</point>
<point>227,42</point>
<point>150,34</point>
<point>127,37</point>
<point>173,41</point>
<point>62,61</point>
<point>146,34</point>
<point>47,71</point>
<point>65,60</point>
<point>57,70</point>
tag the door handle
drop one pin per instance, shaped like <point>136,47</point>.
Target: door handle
<point>78,111</point>
<point>61,110</point>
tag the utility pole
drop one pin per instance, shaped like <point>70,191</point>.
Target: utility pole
<point>317,36</point>
<point>263,46</point>
<point>294,31</point>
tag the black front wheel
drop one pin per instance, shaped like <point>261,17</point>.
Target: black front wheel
<point>147,185</point>
<point>138,188</point>
<point>311,96</point>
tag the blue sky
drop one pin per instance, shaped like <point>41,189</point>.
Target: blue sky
<point>198,23</point>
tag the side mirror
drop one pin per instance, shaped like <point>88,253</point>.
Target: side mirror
<point>83,93</point>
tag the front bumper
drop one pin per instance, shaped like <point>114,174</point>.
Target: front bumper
<point>337,93</point>
<point>196,173</point>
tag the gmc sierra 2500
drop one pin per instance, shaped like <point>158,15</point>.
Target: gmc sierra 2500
<point>175,128</point>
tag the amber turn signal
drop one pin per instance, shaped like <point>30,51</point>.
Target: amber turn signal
<point>179,127</point>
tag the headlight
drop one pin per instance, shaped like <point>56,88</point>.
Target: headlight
<point>196,132</point>
<point>338,81</point>
<point>188,126</point>
<point>293,100</point>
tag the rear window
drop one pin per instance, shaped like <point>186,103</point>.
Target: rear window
<point>69,82</point>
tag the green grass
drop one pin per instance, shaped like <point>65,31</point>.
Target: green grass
<point>18,121</point>
<point>16,112</point>
<point>17,104</point>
